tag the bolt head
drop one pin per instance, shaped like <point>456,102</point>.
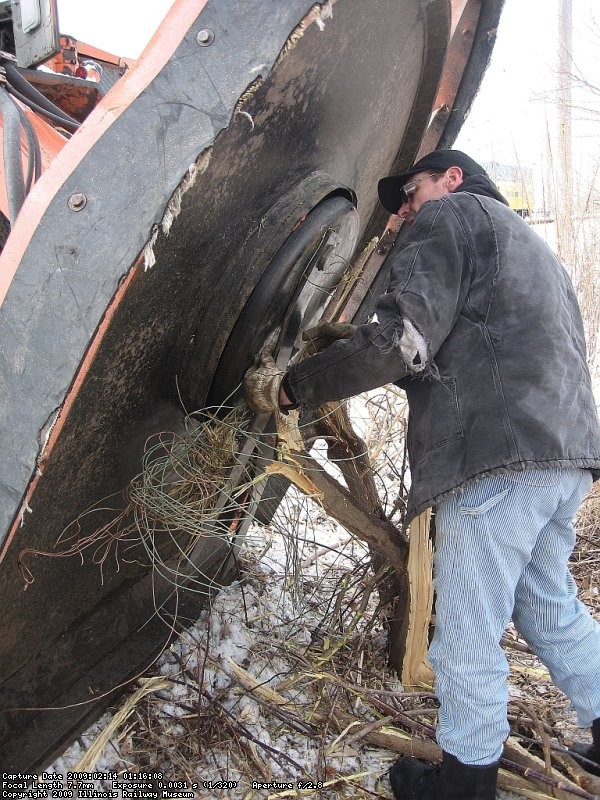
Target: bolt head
<point>77,201</point>
<point>205,37</point>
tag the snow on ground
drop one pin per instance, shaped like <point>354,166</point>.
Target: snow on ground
<point>302,627</point>
<point>256,624</point>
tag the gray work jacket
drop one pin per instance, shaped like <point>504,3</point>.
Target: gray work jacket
<point>480,325</point>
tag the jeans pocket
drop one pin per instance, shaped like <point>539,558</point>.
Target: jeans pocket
<point>485,506</point>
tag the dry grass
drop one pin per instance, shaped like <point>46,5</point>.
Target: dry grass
<point>305,694</point>
<point>316,693</point>
<point>183,495</point>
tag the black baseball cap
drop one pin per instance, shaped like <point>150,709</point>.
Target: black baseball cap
<point>390,188</point>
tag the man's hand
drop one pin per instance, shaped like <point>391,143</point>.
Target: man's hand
<point>325,334</point>
<point>261,384</point>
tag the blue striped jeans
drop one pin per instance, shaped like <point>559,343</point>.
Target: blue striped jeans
<point>502,547</point>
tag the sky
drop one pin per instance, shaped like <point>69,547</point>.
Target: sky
<point>513,115</point>
<point>120,26</point>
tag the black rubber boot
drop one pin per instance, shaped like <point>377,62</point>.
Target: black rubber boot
<point>588,755</point>
<point>412,779</point>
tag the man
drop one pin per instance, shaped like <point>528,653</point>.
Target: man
<point>480,326</point>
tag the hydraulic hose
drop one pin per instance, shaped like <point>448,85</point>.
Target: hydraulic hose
<point>18,82</point>
<point>34,154</point>
<point>13,167</point>
<point>59,119</point>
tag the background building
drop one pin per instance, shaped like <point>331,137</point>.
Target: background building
<point>515,183</point>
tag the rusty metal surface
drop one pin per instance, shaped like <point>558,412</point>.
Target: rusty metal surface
<point>479,55</point>
<point>465,16</point>
<point>75,96</point>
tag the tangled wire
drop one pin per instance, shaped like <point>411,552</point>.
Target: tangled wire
<point>193,488</point>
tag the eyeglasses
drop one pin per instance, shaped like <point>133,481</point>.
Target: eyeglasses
<point>407,191</point>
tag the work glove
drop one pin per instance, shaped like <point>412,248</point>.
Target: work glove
<point>261,384</point>
<point>325,334</point>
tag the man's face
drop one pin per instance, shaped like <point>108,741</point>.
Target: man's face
<point>426,186</point>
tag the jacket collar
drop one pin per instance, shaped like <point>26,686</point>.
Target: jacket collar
<point>481,184</point>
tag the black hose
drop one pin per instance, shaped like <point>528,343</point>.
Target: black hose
<point>30,154</point>
<point>13,167</point>
<point>27,89</point>
<point>58,119</point>
<point>36,149</point>
<point>34,154</point>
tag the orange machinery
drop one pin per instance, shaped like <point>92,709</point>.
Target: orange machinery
<point>51,102</point>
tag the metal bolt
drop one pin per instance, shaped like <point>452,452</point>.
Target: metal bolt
<point>77,201</point>
<point>205,37</point>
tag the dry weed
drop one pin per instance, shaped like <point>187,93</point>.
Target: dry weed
<point>285,680</point>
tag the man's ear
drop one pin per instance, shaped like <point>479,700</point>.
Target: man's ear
<point>454,178</point>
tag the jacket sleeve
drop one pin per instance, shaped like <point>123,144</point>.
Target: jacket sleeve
<point>430,275</point>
